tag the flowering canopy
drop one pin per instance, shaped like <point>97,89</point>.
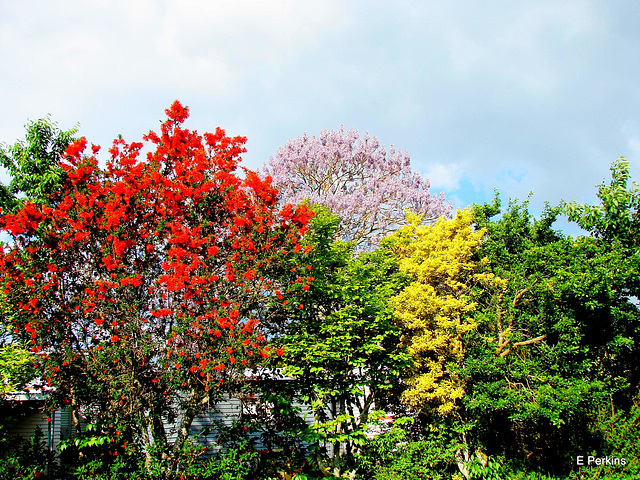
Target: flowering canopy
<point>436,308</point>
<point>145,281</point>
<point>357,180</point>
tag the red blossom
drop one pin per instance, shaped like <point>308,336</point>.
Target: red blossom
<point>76,148</point>
<point>174,241</point>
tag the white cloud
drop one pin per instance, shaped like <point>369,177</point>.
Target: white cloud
<point>541,87</point>
<point>66,56</point>
<point>514,44</point>
<point>444,177</point>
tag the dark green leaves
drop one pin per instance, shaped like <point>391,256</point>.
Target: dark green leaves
<point>33,164</point>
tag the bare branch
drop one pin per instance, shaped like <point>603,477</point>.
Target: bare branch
<point>521,344</point>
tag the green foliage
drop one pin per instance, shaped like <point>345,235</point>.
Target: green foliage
<point>557,340</point>
<point>15,368</point>
<point>111,468</point>
<point>276,418</point>
<point>97,457</point>
<point>396,455</point>
<point>342,349</point>
<point>91,437</point>
<point>33,164</point>
<point>619,434</point>
<point>618,215</point>
<point>236,462</point>
<point>616,221</point>
<point>525,475</point>
<point>482,467</point>
<point>301,476</point>
<point>95,454</point>
<point>22,458</point>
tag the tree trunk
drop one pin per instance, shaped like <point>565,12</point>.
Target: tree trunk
<point>462,457</point>
<point>183,433</point>
<point>74,412</point>
<point>156,449</point>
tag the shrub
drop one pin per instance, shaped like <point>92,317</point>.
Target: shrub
<point>22,458</point>
<point>236,462</point>
<point>394,455</point>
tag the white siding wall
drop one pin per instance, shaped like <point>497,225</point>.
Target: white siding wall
<point>60,423</point>
<point>225,412</point>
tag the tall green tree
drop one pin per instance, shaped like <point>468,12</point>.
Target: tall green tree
<point>33,165</point>
<point>616,220</point>
<point>341,343</point>
<point>555,342</point>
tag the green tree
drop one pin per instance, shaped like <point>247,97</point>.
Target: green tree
<point>340,346</point>
<point>34,167</point>
<point>16,367</point>
<point>34,164</point>
<point>555,341</point>
<point>618,215</point>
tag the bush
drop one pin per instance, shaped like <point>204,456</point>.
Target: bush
<point>236,462</point>
<point>393,455</point>
<point>92,455</point>
<point>619,433</point>
<point>21,458</point>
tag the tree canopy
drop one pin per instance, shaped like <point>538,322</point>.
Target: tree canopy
<point>141,286</point>
<point>146,291</point>
<point>342,351</point>
<point>435,309</point>
<point>368,188</point>
<point>34,164</point>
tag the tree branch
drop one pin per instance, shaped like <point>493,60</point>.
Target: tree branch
<point>521,344</point>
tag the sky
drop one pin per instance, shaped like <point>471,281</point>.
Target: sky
<point>530,96</point>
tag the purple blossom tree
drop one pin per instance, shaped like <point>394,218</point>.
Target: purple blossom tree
<point>355,179</point>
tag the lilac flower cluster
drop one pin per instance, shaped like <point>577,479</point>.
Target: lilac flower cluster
<point>357,180</point>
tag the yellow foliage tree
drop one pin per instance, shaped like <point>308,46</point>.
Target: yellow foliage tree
<point>436,308</point>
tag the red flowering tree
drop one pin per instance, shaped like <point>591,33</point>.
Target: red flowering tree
<point>143,285</point>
